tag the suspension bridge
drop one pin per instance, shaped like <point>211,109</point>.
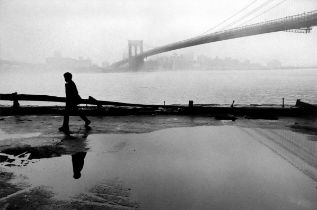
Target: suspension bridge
<point>299,23</point>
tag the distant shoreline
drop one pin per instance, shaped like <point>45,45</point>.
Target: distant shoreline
<point>43,68</point>
<point>16,65</point>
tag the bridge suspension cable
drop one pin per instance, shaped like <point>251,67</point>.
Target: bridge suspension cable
<point>248,14</point>
<point>232,16</point>
<point>264,12</point>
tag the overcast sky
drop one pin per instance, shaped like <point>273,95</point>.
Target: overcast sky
<point>31,30</point>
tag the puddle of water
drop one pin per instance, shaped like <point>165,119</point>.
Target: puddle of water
<point>4,135</point>
<point>216,167</point>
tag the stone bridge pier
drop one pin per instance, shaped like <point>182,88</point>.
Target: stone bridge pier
<point>135,49</point>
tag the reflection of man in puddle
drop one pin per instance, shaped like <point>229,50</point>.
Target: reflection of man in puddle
<point>78,163</point>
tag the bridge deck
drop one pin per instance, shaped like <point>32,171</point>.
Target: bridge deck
<point>304,20</point>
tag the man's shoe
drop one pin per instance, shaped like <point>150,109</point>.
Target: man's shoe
<point>64,129</point>
<point>87,123</point>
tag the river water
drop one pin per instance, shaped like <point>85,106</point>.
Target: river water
<point>212,87</point>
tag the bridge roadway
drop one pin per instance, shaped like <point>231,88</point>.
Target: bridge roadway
<point>300,21</point>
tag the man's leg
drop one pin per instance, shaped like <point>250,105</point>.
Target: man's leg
<point>66,120</point>
<point>65,126</point>
<point>83,117</point>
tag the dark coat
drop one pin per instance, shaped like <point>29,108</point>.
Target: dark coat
<point>72,96</point>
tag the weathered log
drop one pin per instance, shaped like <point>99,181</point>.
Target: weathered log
<point>90,100</point>
<point>301,104</point>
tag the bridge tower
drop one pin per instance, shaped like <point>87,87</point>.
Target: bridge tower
<point>135,49</point>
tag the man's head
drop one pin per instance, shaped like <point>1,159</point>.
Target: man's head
<point>68,76</point>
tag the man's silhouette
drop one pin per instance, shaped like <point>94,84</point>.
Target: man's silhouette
<point>72,100</point>
<point>78,163</point>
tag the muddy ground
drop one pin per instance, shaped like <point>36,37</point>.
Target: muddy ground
<point>24,139</point>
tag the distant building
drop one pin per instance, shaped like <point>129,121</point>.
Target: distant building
<point>68,63</point>
<point>274,64</point>
<point>202,62</point>
<point>105,64</point>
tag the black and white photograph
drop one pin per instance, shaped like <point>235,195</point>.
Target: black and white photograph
<point>158,105</point>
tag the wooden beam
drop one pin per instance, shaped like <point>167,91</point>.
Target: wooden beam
<point>91,100</point>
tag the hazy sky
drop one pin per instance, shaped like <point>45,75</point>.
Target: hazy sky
<point>31,30</point>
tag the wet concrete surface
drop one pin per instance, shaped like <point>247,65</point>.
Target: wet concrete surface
<point>133,163</point>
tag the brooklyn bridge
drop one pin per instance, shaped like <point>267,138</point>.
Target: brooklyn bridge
<point>297,23</point>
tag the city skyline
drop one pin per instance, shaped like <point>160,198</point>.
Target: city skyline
<point>168,61</point>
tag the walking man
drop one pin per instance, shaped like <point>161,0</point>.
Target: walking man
<point>72,100</point>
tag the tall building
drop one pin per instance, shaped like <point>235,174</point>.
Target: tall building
<point>68,63</point>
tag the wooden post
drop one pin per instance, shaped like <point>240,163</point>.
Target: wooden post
<point>191,104</point>
<point>232,104</point>
<point>283,103</point>
<point>15,100</point>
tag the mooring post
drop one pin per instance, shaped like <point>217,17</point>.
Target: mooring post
<point>191,104</point>
<point>164,103</point>
<point>283,103</point>
<point>15,100</point>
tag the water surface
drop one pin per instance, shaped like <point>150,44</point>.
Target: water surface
<point>208,167</point>
<point>219,86</point>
